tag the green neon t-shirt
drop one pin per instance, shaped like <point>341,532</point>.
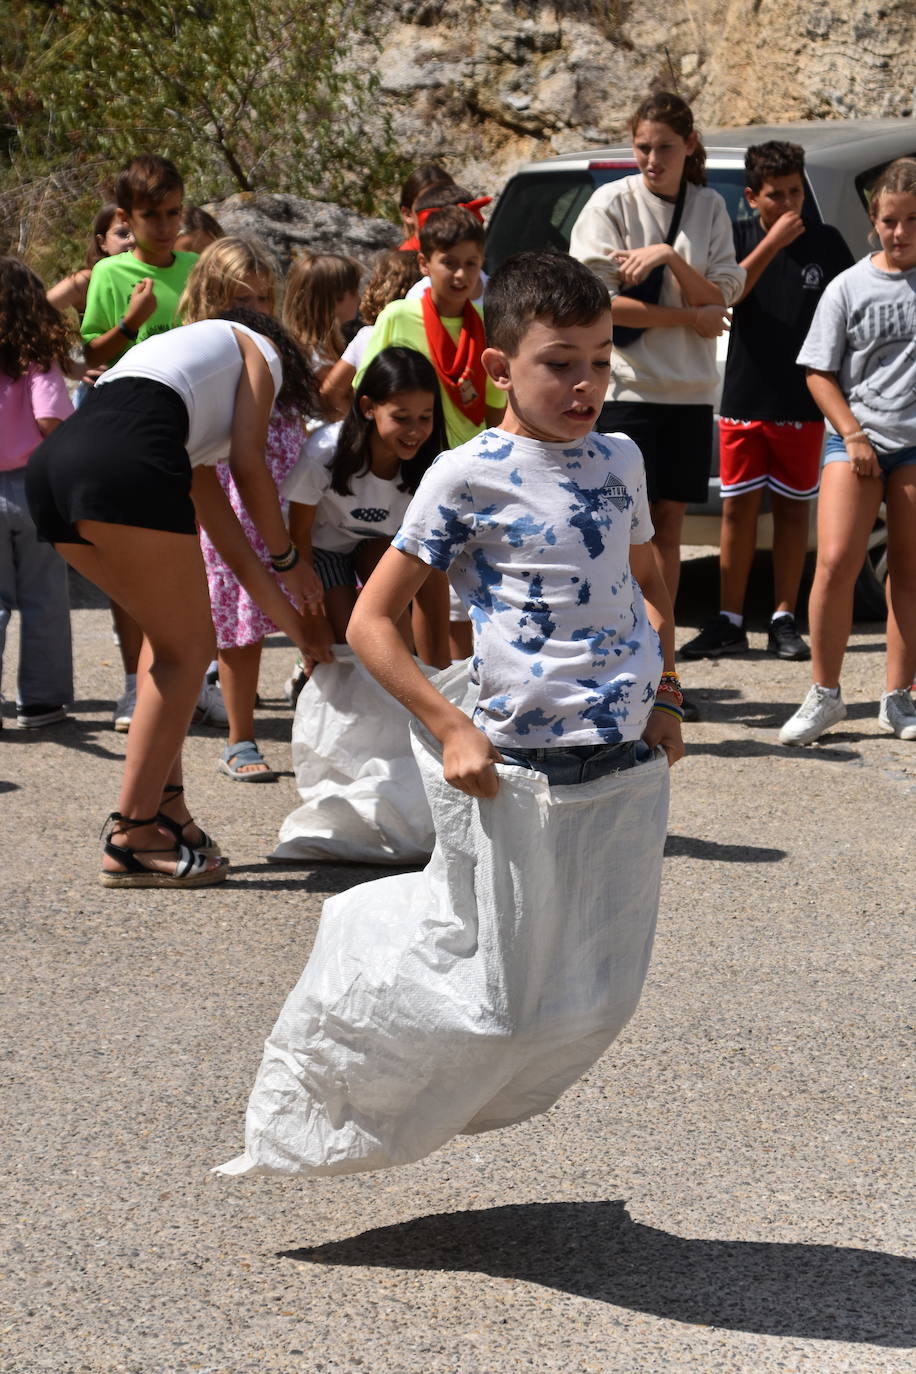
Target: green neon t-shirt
<point>110,287</point>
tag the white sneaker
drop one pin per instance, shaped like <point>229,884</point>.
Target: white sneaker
<point>210,708</point>
<point>897,715</point>
<point>817,713</point>
<point>124,710</point>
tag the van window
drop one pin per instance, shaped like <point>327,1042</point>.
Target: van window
<point>537,210</point>
<point>866,180</point>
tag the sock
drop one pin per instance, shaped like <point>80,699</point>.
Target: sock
<point>733,619</point>
<point>780,615</point>
<point>130,682</point>
<point>828,691</point>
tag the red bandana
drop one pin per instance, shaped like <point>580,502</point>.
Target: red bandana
<point>458,365</point>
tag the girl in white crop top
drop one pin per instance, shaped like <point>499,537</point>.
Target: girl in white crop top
<point>111,489</point>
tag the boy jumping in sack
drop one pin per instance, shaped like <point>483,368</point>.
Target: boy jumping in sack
<point>544,529</point>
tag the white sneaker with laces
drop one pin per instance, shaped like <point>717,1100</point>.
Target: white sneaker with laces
<point>124,710</point>
<point>210,708</point>
<point>819,710</point>
<point>897,715</point>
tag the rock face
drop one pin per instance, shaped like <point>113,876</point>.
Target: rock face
<point>487,84</point>
<point>289,224</point>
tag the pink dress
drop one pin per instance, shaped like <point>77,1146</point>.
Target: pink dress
<point>236,618</point>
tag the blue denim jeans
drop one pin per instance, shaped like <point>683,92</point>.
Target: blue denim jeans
<point>33,581</point>
<point>580,762</point>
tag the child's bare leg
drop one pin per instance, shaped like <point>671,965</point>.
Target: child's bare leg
<point>158,577</point>
<point>668,519</point>
<point>238,674</point>
<point>790,544</point>
<point>846,513</point>
<point>901,582</point>
<point>738,543</point>
<point>338,605</point>
<point>460,639</point>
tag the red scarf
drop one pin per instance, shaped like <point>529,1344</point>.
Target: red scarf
<point>458,365</point>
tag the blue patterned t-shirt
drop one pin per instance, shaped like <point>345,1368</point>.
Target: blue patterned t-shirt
<point>535,538</point>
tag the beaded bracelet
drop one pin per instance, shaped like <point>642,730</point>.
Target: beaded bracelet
<point>285,561</point>
<point>671,710</point>
<point>858,434</point>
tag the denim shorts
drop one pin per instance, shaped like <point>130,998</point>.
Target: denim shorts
<point>835,452</point>
<point>580,762</point>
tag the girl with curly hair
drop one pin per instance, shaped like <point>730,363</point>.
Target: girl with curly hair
<point>34,353</point>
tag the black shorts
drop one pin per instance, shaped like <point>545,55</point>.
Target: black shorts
<point>120,459</point>
<point>676,444</point>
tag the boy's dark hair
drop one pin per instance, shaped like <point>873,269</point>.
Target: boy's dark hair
<point>146,179</point>
<point>442,193</point>
<point>298,390</point>
<point>766,161</point>
<point>394,369</point>
<point>444,228</point>
<point>427,174</point>
<point>540,286</point>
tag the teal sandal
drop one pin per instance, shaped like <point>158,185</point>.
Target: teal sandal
<point>242,755</point>
<point>191,866</point>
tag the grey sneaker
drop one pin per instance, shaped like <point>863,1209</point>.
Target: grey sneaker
<point>210,708</point>
<point>124,710</point>
<point>817,713</point>
<point>897,715</point>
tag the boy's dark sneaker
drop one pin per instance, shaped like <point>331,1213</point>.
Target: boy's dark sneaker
<point>784,640</point>
<point>717,637</point>
<point>31,717</point>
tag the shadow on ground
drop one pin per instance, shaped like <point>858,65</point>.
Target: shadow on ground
<point>595,1250</point>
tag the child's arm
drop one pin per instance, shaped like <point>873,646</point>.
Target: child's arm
<point>467,755</point>
<point>829,398</point>
<point>786,229</point>
<point>337,389</point>
<point>635,264</point>
<point>317,626</point>
<point>106,346</point>
<point>662,727</point>
<point>253,403</point>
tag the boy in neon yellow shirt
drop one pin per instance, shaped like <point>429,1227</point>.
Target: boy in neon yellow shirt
<point>444,325</point>
<point>135,294</point>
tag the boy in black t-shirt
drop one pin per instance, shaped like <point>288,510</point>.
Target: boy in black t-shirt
<point>771,432</point>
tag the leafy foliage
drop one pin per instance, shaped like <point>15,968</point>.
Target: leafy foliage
<point>240,95</point>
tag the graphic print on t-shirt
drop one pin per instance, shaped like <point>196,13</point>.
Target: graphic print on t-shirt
<point>535,539</point>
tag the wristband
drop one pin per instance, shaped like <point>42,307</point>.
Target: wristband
<point>670,710</point>
<point>127,331</point>
<point>285,561</point>
<point>669,689</point>
<point>857,434</point>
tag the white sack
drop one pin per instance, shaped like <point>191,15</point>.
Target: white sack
<point>362,794</point>
<point>470,995</point>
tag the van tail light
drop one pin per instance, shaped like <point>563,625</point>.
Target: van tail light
<point>601,164</point>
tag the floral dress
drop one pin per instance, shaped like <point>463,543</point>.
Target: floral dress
<point>236,618</point>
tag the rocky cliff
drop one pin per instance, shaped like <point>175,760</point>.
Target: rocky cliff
<point>485,84</point>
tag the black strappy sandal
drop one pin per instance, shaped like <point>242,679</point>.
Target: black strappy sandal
<point>191,866</point>
<point>207,843</point>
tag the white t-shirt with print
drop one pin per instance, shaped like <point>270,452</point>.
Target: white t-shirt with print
<point>374,509</point>
<point>535,538</point>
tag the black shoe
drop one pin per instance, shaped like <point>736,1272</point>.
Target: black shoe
<point>784,640</point>
<point>717,637</point>
<point>31,717</point>
<point>690,709</point>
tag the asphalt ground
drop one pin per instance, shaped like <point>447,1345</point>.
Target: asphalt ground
<point>729,1189</point>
